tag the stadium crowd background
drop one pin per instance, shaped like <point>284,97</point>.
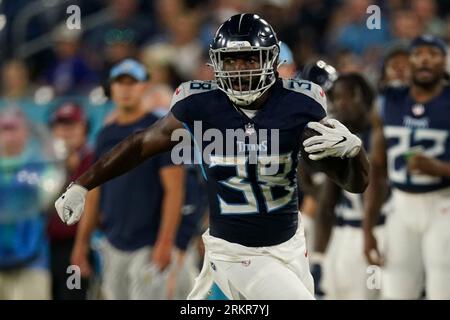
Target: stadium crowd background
<point>44,64</point>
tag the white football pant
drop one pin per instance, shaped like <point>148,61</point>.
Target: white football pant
<point>418,246</point>
<point>256,273</point>
<point>130,275</point>
<point>345,272</point>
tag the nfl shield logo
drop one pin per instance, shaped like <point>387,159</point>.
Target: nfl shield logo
<point>249,129</point>
<point>418,109</point>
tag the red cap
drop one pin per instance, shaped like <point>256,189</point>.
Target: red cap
<point>68,112</point>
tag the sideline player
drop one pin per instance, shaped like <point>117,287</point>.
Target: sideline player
<point>339,216</point>
<point>411,145</point>
<point>255,248</point>
<point>323,74</point>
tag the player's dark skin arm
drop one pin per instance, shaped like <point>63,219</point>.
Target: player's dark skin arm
<point>131,152</point>
<point>375,193</point>
<point>306,181</point>
<point>351,174</point>
<point>328,198</point>
<point>431,166</point>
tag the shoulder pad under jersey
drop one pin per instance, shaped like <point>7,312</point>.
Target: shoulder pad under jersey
<point>190,88</point>
<point>307,88</point>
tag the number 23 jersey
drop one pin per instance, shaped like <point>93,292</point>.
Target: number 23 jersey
<point>411,128</point>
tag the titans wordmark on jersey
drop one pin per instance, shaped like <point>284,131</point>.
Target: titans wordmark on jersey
<point>252,186</point>
<point>411,127</point>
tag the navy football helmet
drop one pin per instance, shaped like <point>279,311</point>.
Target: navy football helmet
<point>320,73</point>
<point>247,34</point>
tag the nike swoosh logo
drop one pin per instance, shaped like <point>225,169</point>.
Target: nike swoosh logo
<point>70,211</point>
<point>340,141</point>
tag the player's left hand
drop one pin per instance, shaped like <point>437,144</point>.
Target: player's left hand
<point>420,164</point>
<point>335,141</point>
<point>162,254</point>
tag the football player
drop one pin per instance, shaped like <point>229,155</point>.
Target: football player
<point>254,247</point>
<point>340,213</point>
<point>324,75</point>
<point>411,145</point>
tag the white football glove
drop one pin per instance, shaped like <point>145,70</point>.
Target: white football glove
<point>70,205</point>
<point>332,142</point>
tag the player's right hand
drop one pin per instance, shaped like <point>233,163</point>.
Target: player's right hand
<point>162,254</point>
<point>80,258</point>
<point>316,262</point>
<point>70,205</point>
<point>371,251</point>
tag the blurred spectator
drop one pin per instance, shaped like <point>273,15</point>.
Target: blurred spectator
<point>218,12</point>
<point>179,49</point>
<point>127,19</point>
<point>280,17</point>
<point>23,247</point>
<point>354,34</point>
<point>313,19</point>
<point>393,5</point>
<point>120,37</point>
<point>18,90</point>
<point>15,81</point>
<point>140,211</point>
<point>396,69</point>
<point>406,25</point>
<point>167,12</point>
<point>69,72</point>
<point>157,99</point>
<point>69,124</point>
<point>158,57</point>
<point>447,37</point>
<point>183,37</point>
<point>300,24</point>
<point>118,45</point>
<point>347,62</point>
<point>426,11</point>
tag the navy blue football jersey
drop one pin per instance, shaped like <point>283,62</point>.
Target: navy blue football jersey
<point>350,207</point>
<point>411,127</point>
<point>250,164</point>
